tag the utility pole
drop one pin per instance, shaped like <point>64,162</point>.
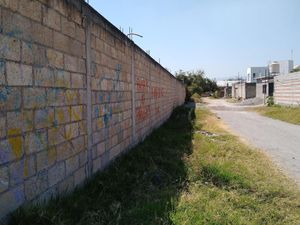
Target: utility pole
<point>130,34</point>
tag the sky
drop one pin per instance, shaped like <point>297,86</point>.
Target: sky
<point>221,37</point>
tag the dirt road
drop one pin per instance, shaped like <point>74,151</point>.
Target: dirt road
<point>279,139</point>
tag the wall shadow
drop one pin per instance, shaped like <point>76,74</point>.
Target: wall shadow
<point>140,187</point>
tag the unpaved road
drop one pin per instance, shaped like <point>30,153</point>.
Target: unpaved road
<point>279,139</point>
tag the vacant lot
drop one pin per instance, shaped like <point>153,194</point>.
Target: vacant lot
<point>287,114</point>
<point>189,171</point>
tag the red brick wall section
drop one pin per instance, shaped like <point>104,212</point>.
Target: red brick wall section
<point>67,103</point>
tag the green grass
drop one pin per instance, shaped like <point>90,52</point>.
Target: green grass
<point>284,113</point>
<point>179,176</point>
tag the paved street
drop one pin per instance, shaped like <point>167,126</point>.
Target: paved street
<point>278,139</point>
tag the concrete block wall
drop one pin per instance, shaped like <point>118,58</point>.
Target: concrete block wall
<point>75,92</point>
<point>287,89</point>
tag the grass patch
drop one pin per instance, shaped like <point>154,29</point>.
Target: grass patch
<point>179,176</point>
<point>196,98</point>
<point>283,113</point>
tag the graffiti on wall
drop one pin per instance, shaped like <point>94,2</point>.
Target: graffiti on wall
<point>144,89</point>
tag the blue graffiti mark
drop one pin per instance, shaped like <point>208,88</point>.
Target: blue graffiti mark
<point>4,152</point>
<point>97,111</point>
<point>14,33</point>
<point>2,64</point>
<point>4,93</point>
<point>101,98</point>
<point>19,195</point>
<point>107,115</point>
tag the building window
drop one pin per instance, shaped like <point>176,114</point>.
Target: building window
<point>264,89</point>
<point>254,75</point>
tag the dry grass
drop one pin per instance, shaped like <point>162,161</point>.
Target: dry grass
<point>230,183</point>
<point>283,113</point>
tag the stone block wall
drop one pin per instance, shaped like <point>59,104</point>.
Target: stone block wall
<point>287,89</point>
<point>75,92</point>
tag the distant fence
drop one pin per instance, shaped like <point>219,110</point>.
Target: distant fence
<point>75,92</point>
<point>287,89</point>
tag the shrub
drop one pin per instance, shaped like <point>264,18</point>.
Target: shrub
<point>270,101</point>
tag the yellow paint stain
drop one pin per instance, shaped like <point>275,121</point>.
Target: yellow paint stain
<point>14,131</point>
<point>69,97</point>
<point>26,173</point>
<point>16,145</point>
<point>100,123</point>
<point>76,113</point>
<point>61,116</point>
<point>51,117</point>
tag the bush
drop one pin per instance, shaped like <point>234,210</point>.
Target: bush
<point>270,101</point>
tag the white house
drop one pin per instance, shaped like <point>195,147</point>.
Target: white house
<point>255,72</point>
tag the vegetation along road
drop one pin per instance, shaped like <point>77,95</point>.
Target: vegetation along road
<point>281,140</point>
<point>190,171</point>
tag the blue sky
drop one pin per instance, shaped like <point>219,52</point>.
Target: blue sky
<point>222,37</point>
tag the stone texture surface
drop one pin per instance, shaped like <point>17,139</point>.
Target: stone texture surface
<point>45,113</point>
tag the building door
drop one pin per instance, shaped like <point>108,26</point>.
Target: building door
<point>271,89</point>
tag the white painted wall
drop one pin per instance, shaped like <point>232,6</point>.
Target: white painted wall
<point>255,72</point>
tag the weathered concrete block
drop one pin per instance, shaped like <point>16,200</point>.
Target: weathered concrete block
<point>65,151</point>
<point>72,131</point>
<point>79,144</point>
<point>56,135</point>
<point>46,159</point>
<point>4,179</point>
<point>68,27</point>
<point>44,118</point>
<point>76,113</point>
<point>56,173</point>
<point>10,48</point>
<point>18,122</point>
<point>55,58</point>
<point>2,126</point>
<point>62,79</point>
<point>82,127</point>
<point>97,164</point>
<point>36,185</point>
<point>33,54</point>
<point>71,63</point>
<point>20,170</point>
<point>62,115</point>
<point>34,98</point>
<point>83,158</point>
<point>72,164</point>
<point>18,74</point>
<point>72,97</point>
<point>11,200</point>
<point>80,34</point>
<point>79,176</point>
<point>35,142</point>
<point>41,34</point>
<point>11,149</point>
<point>31,9</point>
<point>51,18</point>
<point>82,97</point>
<point>2,73</point>
<point>66,185</point>
<point>10,98</point>
<point>12,5</point>
<point>56,97</point>
<point>78,80</point>
<point>61,42</point>
<point>44,77</point>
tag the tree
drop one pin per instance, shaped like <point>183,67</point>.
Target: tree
<point>196,82</point>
